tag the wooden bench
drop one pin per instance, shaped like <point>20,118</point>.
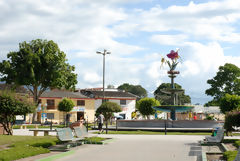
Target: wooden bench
<point>24,126</point>
<point>46,131</point>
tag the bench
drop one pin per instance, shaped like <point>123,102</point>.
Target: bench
<point>80,131</point>
<point>24,126</point>
<point>215,139</point>
<point>66,135</point>
<point>46,131</point>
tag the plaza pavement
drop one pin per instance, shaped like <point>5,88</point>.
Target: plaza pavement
<point>140,148</point>
<point>132,148</point>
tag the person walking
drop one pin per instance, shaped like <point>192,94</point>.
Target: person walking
<point>100,123</point>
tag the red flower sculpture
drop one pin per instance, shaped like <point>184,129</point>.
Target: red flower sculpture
<point>173,55</point>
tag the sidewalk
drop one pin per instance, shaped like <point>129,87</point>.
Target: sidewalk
<point>140,148</point>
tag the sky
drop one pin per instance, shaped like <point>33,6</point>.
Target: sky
<point>138,33</point>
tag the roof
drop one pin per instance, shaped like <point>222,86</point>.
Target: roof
<point>19,89</point>
<point>109,94</point>
<point>209,110</point>
<point>62,94</point>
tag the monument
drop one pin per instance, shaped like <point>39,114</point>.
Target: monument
<point>172,61</point>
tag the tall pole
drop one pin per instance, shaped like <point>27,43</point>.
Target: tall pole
<point>103,53</point>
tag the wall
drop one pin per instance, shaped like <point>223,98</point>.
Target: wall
<point>170,124</point>
<point>89,111</point>
<point>126,109</point>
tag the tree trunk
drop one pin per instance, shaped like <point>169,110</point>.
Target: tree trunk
<point>8,128</point>
<point>35,100</point>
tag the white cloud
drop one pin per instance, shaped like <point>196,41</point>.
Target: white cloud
<point>169,39</point>
<point>210,20</point>
<point>91,77</point>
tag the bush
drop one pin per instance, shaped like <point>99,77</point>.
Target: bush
<point>230,155</point>
<point>232,119</point>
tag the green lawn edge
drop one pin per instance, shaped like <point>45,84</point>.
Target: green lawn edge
<point>57,156</point>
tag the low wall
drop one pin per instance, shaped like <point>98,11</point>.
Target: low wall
<point>170,124</point>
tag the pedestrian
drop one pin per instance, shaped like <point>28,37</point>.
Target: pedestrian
<point>100,123</point>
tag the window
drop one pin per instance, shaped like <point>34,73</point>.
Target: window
<point>123,102</point>
<point>80,102</point>
<point>50,104</point>
<point>50,115</point>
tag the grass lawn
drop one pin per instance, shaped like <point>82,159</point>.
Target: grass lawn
<point>17,147</point>
<point>33,126</point>
<point>139,132</point>
<point>231,155</point>
<point>94,140</point>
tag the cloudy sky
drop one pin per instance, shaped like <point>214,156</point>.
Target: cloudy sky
<point>137,32</point>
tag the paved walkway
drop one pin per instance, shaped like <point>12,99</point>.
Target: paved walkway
<point>140,148</point>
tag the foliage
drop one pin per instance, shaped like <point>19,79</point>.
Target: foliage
<point>229,103</point>
<point>66,105</point>
<point>209,117</point>
<point>108,108</point>
<point>38,65</point>
<point>145,106</point>
<point>165,99</point>
<point>10,106</point>
<point>134,89</point>
<point>94,140</point>
<point>25,146</point>
<point>232,119</point>
<point>211,103</point>
<point>230,155</point>
<point>226,81</point>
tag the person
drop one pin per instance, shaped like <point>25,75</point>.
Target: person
<point>100,123</point>
<point>81,121</point>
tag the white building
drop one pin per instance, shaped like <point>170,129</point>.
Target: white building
<point>126,100</point>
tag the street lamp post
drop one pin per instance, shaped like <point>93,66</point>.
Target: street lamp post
<point>103,53</point>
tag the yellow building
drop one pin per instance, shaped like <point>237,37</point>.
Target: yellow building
<point>48,108</point>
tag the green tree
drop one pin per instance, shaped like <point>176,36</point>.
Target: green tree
<point>107,109</point>
<point>38,65</point>
<point>229,103</point>
<point>145,105</point>
<point>226,81</point>
<point>231,119</point>
<point>10,106</point>
<point>138,90</point>
<point>165,99</point>
<point>66,105</point>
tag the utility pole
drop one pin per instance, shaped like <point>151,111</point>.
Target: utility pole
<point>103,53</point>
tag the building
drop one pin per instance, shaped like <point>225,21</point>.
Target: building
<point>126,100</point>
<point>48,107</point>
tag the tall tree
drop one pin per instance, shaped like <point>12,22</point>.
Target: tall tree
<point>145,105</point>
<point>134,89</point>
<point>226,81</point>
<point>10,106</point>
<point>229,103</point>
<point>107,109</point>
<point>39,65</point>
<point>165,99</point>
